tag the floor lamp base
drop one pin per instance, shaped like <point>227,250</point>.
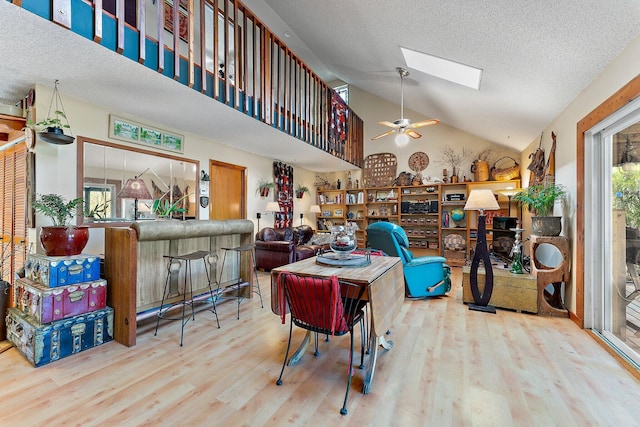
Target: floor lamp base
<point>483,308</point>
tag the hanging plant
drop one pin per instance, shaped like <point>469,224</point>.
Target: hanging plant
<point>301,190</point>
<point>264,187</point>
<point>51,129</point>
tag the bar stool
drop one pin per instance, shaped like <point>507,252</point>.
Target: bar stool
<point>238,283</point>
<point>173,266</point>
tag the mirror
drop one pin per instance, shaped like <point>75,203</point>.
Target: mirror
<point>106,171</point>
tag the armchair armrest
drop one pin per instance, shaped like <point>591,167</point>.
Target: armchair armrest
<point>424,260</point>
<point>278,246</point>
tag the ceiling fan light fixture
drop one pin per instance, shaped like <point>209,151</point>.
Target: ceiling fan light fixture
<point>401,139</point>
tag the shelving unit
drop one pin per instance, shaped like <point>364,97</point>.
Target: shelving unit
<point>420,218</point>
<point>424,211</point>
<point>332,209</point>
<point>382,205</point>
<point>356,210</point>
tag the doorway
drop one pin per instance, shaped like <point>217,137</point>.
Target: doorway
<point>612,244</point>
<point>227,191</point>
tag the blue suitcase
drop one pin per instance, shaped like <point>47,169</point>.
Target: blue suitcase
<point>42,344</point>
<point>54,271</point>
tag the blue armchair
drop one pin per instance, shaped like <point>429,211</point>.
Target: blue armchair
<point>424,276</point>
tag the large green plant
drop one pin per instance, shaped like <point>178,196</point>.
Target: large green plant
<point>55,207</point>
<point>626,194</point>
<point>540,198</point>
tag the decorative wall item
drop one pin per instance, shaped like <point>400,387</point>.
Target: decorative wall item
<point>338,125</point>
<point>130,131</point>
<point>380,169</point>
<point>283,177</point>
<point>183,19</point>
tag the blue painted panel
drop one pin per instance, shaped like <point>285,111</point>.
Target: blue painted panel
<point>151,60</point>
<point>82,19</point>
<point>209,91</point>
<point>108,33</point>
<point>131,47</point>
<point>168,63</point>
<point>39,7</point>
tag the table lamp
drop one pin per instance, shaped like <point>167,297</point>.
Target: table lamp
<point>481,200</point>
<point>135,188</point>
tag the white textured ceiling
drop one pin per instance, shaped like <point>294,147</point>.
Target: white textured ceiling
<point>536,55</point>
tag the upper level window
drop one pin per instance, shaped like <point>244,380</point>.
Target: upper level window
<point>343,91</point>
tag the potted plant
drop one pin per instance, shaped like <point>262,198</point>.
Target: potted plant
<point>540,199</point>
<point>61,239</point>
<point>301,190</point>
<point>52,128</point>
<point>264,187</point>
<point>163,208</point>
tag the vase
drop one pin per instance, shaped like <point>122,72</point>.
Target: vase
<point>343,240</point>
<point>64,241</point>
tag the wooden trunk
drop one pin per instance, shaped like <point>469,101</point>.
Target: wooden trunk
<point>513,291</point>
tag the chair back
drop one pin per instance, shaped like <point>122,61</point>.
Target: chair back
<point>389,238</point>
<point>324,305</point>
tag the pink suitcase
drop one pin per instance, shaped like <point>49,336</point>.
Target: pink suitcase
<point>46,304</point>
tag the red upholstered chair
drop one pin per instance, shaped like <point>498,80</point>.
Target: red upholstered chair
<point>325,306</point>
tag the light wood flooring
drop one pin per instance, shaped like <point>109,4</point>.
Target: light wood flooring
<point>449,367</point>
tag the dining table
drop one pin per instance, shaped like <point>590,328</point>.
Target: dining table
<point>384,279</point>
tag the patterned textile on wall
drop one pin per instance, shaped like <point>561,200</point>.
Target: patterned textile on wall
<point>338,126</point>
<point>283,177</point>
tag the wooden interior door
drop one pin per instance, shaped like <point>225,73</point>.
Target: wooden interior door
<point>227,191</point>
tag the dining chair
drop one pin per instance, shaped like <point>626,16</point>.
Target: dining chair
<point>324,306</point>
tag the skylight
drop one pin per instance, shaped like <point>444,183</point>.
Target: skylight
<point>455,72</point>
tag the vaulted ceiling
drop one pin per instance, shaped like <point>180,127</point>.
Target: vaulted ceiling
<point>536,57</point>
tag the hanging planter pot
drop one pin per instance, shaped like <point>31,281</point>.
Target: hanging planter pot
<point>52,128</point>
<point>54,135</point>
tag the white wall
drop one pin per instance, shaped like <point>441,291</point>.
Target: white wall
<point>56,164</point>
<point>621,70</point>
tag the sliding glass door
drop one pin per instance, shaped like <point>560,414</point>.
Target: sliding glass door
<point>613,278</point>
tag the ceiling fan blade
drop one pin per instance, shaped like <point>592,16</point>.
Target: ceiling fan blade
<point>413,134</point>
<point>429,122</point>
<point>382,135</point>
<point>386,123</point>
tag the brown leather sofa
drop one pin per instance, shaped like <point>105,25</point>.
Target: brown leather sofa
<point>276,247</point>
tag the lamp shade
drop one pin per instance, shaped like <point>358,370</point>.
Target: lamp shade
<point>135,188</point>
<point>481,200</point>
<point>273,207</point>
<point>314,209</point>
<point>509,192</point>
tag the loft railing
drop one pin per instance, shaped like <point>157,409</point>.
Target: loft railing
<point>220,48</point>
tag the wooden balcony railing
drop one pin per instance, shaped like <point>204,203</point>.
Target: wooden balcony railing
<point>220,48</point>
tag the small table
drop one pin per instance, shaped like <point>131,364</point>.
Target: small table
<point>173,266</point>
<point>514,291</point>
<point>384,280</point>
<point>238,282</point>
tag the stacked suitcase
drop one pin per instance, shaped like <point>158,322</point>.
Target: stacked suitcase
<point>59,308</point>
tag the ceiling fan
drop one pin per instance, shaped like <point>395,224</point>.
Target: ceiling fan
<point>403,126</point>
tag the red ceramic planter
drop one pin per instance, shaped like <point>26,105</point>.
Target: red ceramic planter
<point>64,241</point>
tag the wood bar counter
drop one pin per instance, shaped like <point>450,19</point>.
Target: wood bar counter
<point>135,267</point>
